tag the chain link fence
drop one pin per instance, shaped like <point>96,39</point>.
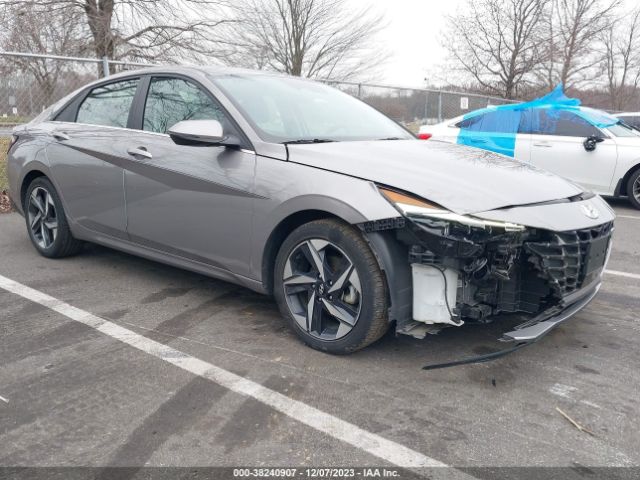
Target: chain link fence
<point>413,107</point>
<point>30,82</point>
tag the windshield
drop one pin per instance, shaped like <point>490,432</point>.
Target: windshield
<point>284,109</point>
<point>621,129</point>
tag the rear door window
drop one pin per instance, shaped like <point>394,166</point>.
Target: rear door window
<point>500,121</point>
<point>561,123</point>
<point>108,105</point>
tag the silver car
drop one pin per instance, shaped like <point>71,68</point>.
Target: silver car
<point>292,188</point>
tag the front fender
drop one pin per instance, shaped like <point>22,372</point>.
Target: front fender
<point>288,189</point>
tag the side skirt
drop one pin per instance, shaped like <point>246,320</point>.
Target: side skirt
<point>82,233</point>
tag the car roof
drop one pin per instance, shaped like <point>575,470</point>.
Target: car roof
<point>211,70</point>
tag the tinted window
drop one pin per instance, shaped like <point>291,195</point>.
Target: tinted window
<point>526,120</point>
<point>633,121</point>
<point>561,123</point>
<point>500,121</point>
<point>172,100</point>
<point>108,105</point>
<point>469,123</point>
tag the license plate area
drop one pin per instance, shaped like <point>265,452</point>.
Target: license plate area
<point>596,255</point>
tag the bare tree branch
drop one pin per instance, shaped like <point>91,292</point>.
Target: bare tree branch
<point>575,28</point>
<point>621,62</point>
<point>141,29</point>
<point>497,42</point>
<point>311,38</point>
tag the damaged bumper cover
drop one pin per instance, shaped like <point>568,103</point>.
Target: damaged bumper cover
<point>527,333</point>
<point>535,329</point>
<point>464,269</point>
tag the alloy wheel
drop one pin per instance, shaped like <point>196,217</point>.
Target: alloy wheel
<point>322,289</point>
<point>43,219</point>
<point>636,189</point>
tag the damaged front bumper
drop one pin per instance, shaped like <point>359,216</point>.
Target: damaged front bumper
<point>539,326</point>
<point>529,332</point>
<point>461,273</point>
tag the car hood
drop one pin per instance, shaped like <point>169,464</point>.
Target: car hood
<point>461,179</point>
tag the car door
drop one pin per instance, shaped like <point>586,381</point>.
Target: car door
<point>191,201</point>
<point>557,145</point>
<point>86,155</point>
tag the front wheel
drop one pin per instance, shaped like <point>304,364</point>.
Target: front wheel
<point>330,288</point>
<point>633,189</point>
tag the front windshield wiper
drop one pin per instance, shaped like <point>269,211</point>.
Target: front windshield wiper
<point>308,140</point>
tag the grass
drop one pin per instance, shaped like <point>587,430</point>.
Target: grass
<point>13,120</point>
<point>4,146</point>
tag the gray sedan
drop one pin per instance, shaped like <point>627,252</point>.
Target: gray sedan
<point>292,188</point>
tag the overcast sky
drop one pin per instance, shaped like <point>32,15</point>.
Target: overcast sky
<point>412,38</point>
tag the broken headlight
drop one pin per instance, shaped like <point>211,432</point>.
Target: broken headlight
<point>414,207</point>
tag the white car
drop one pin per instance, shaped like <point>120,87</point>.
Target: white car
<point>589,147</point>
<point>630,118</point>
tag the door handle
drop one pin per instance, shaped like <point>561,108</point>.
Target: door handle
<point>545,145</point>
<point>60,136</point>
<point>140,152</point>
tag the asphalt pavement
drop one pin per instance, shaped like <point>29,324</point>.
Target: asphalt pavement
<point>110,360</point>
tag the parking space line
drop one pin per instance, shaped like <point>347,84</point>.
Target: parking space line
<point>623,274</point>
<point>628,216</point>
<point>369,442</point>
<point>4,399</point>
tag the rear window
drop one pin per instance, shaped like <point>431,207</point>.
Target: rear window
<point>500,121</point>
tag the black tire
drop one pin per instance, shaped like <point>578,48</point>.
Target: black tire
<point>372,321</point>
<point>634,198</point>
<point>63,243</point>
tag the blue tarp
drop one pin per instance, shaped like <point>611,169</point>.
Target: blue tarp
<point>495,128</point>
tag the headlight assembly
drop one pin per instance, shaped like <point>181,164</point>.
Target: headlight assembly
<point>414,207</point>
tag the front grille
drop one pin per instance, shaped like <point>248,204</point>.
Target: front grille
<point>569,260</point>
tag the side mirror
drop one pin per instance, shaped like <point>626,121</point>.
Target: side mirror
<point>201,132</point>
<point>591,142</point>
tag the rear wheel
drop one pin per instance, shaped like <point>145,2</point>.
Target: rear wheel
<point>633,189</point>
<point>330,288</point>
<point>46,222</point>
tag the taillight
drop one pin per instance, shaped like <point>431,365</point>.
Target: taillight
<point>424,136</point>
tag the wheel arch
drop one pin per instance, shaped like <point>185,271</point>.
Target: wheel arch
<point>390,254</point>
<point>281,231</point>
<point>622,190</point>
<point>27,179</point>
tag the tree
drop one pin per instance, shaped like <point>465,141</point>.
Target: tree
<point>26,32</point>
<point>310,38</point>
<point>498,42</point>
<point>621,62</point>
<point>575,28</point>
<point>140,29</point>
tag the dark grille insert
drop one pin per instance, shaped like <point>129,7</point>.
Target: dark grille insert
<point>563,257</point>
